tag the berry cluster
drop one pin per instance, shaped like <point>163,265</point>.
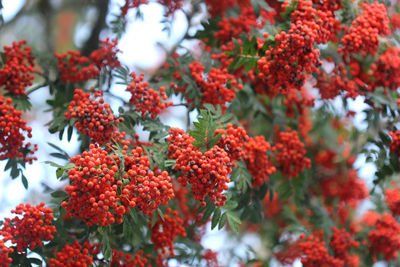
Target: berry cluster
<point>171,5</point>
<point>94,117</point>
<point>363,36</point>
<point>290,154</point>
<point>106,54</point>
<point>5,260</point>
<point>232,141</point>
<point>207,172</point>
<point>103,186</point>
<point>32,229</point>
<point>16,73</point>
<point>211,258</point>
<point>331,85</point>
<point>341,242</point>
<point>216,7</point>
<point>315,254</point>
<point>164,233</point>
<point>11,134</point>
<point>77,68</point>
<point>220,86</point>
<point>286,64</point>
<point>395,143</point>
<point>386,68</point>
<point>121,259</point>
<point>348,187</point>
<point>146,99</point>
<point>75,255</point>
<point>257,161</point>
<point>392,198</point>
<point>232,27</point>
<point>385,239</point>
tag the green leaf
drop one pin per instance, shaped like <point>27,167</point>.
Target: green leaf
<point>215,218</point>
<point>53,164</point>
<point>59,194</point>
<point>222,221</point>
<point>24,181</point>
<point>207,213</point>
<point>233,221</point>
<point>14,172</point>
<point>230,205</point>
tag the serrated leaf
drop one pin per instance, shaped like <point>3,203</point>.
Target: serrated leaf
<point>230,205</point>
<point>233,221</point>
<point>222,221</point>
<point>215,218</point>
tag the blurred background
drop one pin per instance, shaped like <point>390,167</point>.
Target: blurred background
<point>59,25</point>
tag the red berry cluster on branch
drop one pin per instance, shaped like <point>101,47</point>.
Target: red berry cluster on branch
<point>164,233</point>
<point>106,54</point>
<point>94,117</point>
<point>211,258</point>
<point>11,134</point>
<point>257,161</point>
<point>147,99</point>
<point>315,254</point>
<point>341,242</point>
<point>363,35</point>
<point>101,192</point>
<point>392,198</point>
<point>77,68</point>
<point>286,64</point>
<point>131,4</point>
<point>207,172</point>
<point>16,73</point>
<point>121,259</point>
<point>384,238</point>
<point>290,154</point>
<point>232,141</point>
<point>75,255</point>
<point>386,68</point>
<point>31,228</point>
<point>220,86</point>
<point>5,260</point>
<point>395,143</point>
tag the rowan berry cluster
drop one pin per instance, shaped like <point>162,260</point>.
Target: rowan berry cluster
<point>348,187</point>
<point>395,143</point>
<point>145,99</point>
<point>220,86</point>
<point>216,7</point>
<point>121,259</point>
<point>386,68</point>
<point>232,27</point>
<point>11,136</point>
<point>94,117</point>
<point>290,154</point>
<point>211,258</point>
<point>384,238</point>
<point>331,85</point>
<point>30,230</point>
<point>77,68</point>
<point>392,198</point>
<point>315,254</point>
<point>286,64</point>
<point>171,5</point>
<point>106,55</point>
<point>363,35</point>
<point>257,161</point>
<point>16,73</point>
<point>5,260</point>
<point>207,172</point>
<point>164,233</point>
<point>341,242</point>
<point>75,255</point>
<point>232,141</point>
<point>103,186</point>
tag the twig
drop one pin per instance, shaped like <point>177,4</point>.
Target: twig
<point>37,87</point>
